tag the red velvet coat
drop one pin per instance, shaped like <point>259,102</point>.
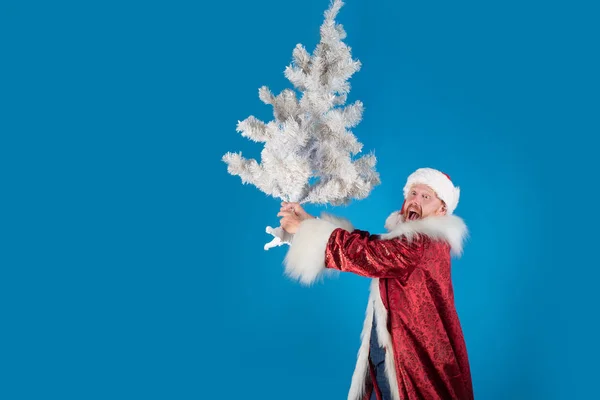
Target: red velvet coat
<point>411,295</point>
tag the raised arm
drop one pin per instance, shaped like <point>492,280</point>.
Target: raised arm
<point>367,255</point>
<point>332,244</point>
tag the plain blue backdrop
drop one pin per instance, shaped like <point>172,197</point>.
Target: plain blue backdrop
<point>132,264</point>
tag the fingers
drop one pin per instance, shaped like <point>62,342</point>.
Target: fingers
<point>285,214</point>
<point>295,207</point>
<point>289,209</point>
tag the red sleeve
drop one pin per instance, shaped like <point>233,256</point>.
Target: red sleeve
<point>368,255</point>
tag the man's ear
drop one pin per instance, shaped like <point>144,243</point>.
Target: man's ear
<point>442,210</point>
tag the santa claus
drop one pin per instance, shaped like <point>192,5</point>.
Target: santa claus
<point>412,341</point>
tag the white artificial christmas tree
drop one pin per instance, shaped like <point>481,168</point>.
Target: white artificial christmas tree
<point>308,148</point>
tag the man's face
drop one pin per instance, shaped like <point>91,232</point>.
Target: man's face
<point>422,202</point>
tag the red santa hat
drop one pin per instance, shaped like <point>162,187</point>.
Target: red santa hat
<point>439,182</point>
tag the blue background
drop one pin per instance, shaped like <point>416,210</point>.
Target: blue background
<point>132,264</point>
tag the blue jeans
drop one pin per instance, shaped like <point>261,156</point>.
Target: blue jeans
<point>377,355</point>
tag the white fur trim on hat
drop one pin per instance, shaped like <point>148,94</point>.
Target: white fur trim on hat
<point>439,182</point>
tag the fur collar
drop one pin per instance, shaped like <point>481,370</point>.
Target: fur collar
<point>448,228</point>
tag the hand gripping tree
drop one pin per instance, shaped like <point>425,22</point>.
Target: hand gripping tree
<point>308,148</point>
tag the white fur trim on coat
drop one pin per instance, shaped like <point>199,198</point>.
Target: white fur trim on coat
<point>375,309</point>
<point>305,260</point>
<point>357,387</point>
<point>449,228</point>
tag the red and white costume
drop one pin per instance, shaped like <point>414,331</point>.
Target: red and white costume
<point>411,295</point>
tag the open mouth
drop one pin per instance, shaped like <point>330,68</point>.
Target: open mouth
<point>413,215</point>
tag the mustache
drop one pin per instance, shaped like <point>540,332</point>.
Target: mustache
<point>412,207</point>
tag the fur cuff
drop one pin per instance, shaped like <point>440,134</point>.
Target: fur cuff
<point>338,221</point>
<point>305,260</point>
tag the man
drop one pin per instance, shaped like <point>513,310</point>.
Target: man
<point>412,342</point>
